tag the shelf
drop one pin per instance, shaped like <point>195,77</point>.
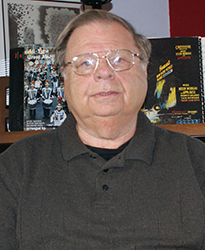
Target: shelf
<point>196,130</point>
<point>11,137</point>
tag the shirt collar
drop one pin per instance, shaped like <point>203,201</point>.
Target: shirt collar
<point>141,146</point>
<point>71,145</point>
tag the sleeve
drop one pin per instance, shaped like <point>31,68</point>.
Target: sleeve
<point>196,150</point>
<point>10,176</point>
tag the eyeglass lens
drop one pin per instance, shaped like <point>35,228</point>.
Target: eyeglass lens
<point>117,60</point>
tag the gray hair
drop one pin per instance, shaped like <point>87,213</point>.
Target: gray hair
<point>95,15</point>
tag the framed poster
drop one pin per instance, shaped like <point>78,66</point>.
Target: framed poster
<point>36,22</point>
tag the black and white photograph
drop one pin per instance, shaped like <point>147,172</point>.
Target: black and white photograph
<point>36,22</point>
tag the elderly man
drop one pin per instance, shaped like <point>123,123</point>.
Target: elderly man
<point>107,178</point>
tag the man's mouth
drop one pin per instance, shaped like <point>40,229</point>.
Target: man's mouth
<point>105,93</point>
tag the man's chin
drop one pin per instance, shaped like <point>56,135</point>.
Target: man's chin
<point>110,114</point>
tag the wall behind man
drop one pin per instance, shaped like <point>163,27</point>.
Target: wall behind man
<point>187,18</point>
<point>149,17</point>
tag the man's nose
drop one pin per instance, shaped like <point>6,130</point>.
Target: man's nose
<point>103,70</point>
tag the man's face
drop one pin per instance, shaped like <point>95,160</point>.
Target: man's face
<point>105,93</point>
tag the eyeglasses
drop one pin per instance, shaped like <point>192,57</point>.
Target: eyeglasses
<point>118,60</point>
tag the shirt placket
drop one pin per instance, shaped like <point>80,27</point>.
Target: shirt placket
<point>101,214</point>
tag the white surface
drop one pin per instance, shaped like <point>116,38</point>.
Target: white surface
<point>149,17</point>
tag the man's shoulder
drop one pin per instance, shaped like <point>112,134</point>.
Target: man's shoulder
<point>172,135</point>
<point>162,135</point>
<point>180,142</point>
<point>45,141</point>
<point>32,143</point>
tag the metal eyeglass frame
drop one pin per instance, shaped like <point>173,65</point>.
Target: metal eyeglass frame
<point>103,57</point>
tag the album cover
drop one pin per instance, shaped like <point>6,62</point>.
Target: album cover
<point>40,89</point>
<point>175,81</point>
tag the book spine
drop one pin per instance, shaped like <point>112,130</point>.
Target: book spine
<point>16,89</point>
<point>201,64</point>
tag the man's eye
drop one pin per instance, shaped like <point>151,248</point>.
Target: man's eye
<point>117,60</point>
<point>87,63</point>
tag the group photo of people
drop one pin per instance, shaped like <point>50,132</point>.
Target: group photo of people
<point>44,100</point>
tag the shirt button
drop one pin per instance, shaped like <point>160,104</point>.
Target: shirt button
<point>105,187</point>
<point>93,156</point>
<point>105,170</point>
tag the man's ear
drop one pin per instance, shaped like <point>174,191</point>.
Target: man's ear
<point>144,67</point>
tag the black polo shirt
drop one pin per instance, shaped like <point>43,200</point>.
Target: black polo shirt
<point>58,194</point>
